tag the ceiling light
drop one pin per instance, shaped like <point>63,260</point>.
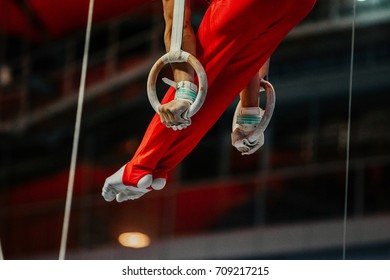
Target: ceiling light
<point>5,75</point>
<point>134,240</point>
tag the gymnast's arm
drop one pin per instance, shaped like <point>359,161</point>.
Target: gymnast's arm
<point>171,114</point>
<point>250,94</point>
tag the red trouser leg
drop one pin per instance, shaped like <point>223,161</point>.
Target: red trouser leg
<point>234,41</point>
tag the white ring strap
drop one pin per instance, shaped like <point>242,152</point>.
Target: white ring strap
<point>177,26</point>
<point>177,55</point>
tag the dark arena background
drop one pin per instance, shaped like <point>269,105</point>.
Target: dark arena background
<point>318,189</point>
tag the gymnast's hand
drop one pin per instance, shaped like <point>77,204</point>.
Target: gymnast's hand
<point>247,137</point>
<point>247,142</point>
<point>174,114</point>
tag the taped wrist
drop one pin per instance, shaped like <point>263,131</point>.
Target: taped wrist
<point>185,90</point>
<point>249,116</point>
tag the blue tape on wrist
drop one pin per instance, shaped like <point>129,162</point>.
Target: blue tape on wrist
<point>186,94</point>
<point>248,120</point>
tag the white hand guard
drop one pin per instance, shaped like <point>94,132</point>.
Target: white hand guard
<point>249,124</point>
<point>175,113</point>
<point>245,137</point>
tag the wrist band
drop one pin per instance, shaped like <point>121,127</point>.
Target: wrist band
<point>248,119</point>
<point>185,90</point>
<point>185,94</point>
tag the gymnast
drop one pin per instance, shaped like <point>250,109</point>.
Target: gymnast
<point>234,40</point>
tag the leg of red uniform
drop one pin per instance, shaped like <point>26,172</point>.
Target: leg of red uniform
<point>156,141</point>
<point>234,40</point>
<point>267,32</point>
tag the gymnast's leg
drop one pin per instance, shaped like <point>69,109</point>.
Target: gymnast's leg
<point>234,40</point>
<point>232,79</point>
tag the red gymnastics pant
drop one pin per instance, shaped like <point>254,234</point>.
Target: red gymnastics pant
<point>235,38</point>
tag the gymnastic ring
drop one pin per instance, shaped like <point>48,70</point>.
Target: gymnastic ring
<point>174,57</point>
<point>269,108</point>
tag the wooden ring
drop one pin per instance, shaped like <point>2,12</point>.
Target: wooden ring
<point>269,108</point>
<point>175,57</point>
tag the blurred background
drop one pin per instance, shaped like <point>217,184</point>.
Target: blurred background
<point>284,202</point>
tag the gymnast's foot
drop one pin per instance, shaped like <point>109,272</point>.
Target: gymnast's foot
<point>119,186</point>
